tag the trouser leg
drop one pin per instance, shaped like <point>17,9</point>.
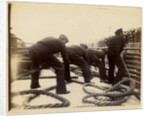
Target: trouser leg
<point>101,67</point>
<point>59,70</point>
<point>86,72</point>
<point>35,78</point>
<point>111,61</point>
<point>77,60</point>
<point>121,68</point>
<point>67,73</point>
<point>35,65</point>
<point>61,87</point>
<point>102,72</point>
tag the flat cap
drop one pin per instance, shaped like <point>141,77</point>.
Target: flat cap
<point>118,31</point>
<point>63,37</point>
<point>84,46</point>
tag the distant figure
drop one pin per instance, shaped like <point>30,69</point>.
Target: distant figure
<point>115,47</point>
<point>97,59</point>
<point>78,56</point>
<point>42,52</point>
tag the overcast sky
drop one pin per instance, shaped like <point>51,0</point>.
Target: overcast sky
<point>80,23</point>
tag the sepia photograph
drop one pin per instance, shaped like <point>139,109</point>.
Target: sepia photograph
<point>72,57</point>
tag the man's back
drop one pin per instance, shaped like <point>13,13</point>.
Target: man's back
<point>53,45</point>
<point>74,49</point>
<point>99,54</point>
<point>117,42</point>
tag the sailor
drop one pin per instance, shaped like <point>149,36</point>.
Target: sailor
<point>115,48</point>
<point>97,59</point>
<point>43,52</point>
<point>78,56</point>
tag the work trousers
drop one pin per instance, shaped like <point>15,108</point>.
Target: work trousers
<point>51,61</point>
<point>95,61</point>
<point>114,59</point>
<point>80,62</point>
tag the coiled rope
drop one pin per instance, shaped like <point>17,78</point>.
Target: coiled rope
<point>109,96</point>
<point>64,102</point>
<point>36,93</point>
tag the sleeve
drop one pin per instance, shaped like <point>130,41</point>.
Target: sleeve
<point>86,57</point>
<point>102,55</point>
<point>122,44</point>
<point>66,63</point>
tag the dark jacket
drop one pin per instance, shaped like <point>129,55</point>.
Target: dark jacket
<point>77,50</point>
<point>51,45</point>
<point>117,42</point>
<point>99,54</point>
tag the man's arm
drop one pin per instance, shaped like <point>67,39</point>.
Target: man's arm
<point>66,63</point>
<point>123,44</point>
<point>85,56</point>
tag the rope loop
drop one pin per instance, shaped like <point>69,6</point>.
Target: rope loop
<point>109,96</point>
<point>64,102</point>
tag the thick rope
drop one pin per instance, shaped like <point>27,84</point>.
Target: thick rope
<point>36,93</point>
<point>65,102</point>
<point>110,95</point>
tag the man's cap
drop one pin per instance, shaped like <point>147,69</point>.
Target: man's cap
<point>63,37</point>
<point>84,46</point>
<point>118,31</point>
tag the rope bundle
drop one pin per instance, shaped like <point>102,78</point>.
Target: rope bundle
<point>64,102</point>
<point>36,93</point>
<point>109,96</point>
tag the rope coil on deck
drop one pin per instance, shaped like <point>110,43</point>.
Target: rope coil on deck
<point>65,102</point>
<point>109,96</point>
